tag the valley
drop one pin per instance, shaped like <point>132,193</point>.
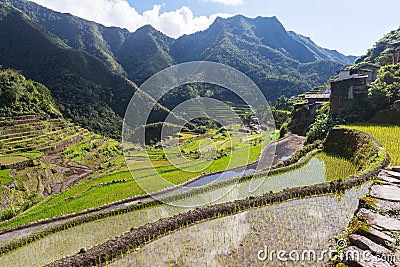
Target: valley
<point>240,144</point>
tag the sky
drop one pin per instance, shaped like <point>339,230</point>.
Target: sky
<point>351,27</point>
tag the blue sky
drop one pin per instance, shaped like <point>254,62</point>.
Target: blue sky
<point>351,27</point>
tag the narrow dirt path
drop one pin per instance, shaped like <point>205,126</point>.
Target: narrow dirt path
<point>279,151</point>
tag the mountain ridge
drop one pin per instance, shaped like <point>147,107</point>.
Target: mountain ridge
<point>323,53</point>
<point>106,42</point>
<point>85,62</point>
<point>84,89</point>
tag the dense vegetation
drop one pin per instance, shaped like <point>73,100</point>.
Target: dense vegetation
<point>382,52</point>
<point>380,106</point>
<point>385,90</point>
<point>83,87</point>
<point>19,96</point>
<point>279,62</point>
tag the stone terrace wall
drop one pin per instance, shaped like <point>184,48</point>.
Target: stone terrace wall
<point>339,141</point>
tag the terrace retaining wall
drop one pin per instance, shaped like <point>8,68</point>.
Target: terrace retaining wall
<point>299,159</point>
<point>138,236</point>
<point>19,165</point>
<point>61,145</point>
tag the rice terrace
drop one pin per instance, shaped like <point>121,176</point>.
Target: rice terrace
<point>141,134</point>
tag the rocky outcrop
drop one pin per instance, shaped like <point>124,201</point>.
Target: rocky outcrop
<point>375,230</point>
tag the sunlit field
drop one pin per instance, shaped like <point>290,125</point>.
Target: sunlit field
<point>388,136</point>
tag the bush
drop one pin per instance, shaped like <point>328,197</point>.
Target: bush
<point>284,129</point>
<point>320,128</point>
<point>8,214</point>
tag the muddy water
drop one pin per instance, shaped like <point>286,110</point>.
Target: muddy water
<point>69,242</point>
<point>295,226</point>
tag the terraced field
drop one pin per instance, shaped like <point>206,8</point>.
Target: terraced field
<point>31,134</point>
<point>64,168</point>
<point>237,240</point>
<point>75,170</point>
<point>70,241</point>
<point>41,158</point>
<point>305,224</point>
<point>387,135</point>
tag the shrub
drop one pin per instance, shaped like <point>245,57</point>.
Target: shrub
<point>8,214</point>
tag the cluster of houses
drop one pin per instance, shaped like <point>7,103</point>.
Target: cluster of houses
<point>351,84</point>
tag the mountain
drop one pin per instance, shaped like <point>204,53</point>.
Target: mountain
<point>136,55</point>
<point>144,53</point>
<point>382,52</point>
<point>242,33</point>
<point>279,62</point>
<point>84,88</point>
<point>91,70</point>
<point>322,53</point>
<point>262,49</point>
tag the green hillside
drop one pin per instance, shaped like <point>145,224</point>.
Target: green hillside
<point>382,52</point>
<point>41,154</point>
<point>77,33</point>
<point>19,96</point>
<point>83,87</point>
<point>279,62</point>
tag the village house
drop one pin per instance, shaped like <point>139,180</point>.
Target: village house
<point>352,85</point>
<point>315,101</point>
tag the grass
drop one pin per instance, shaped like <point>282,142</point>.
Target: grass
<point>336,167</point>
<point>388,136</point>
<point>5,177</point>
<point>86,195</point>
<point>90,233</point>
<point>8,160</point>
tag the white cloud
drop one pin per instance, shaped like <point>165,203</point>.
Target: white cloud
<point>226,2</point>
<point>119,13</point>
